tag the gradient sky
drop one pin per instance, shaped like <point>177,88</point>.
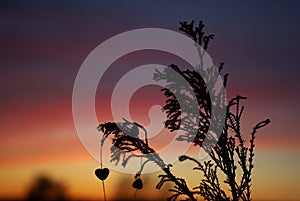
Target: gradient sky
<point>43,44</point>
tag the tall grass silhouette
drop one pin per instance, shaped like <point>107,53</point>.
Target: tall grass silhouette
<point>230,154</point>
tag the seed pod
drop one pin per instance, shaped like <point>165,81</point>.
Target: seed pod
<point>102,174</point>
<point>138,184</point>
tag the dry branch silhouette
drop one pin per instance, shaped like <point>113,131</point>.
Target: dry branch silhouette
<point>230,152</point>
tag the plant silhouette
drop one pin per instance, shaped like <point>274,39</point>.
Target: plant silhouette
<point>227,155</point>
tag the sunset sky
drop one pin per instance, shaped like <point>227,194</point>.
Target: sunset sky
<point>43,44</point>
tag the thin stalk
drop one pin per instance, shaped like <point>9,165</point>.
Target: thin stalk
<point>103,188</point>
<point>135,194</point>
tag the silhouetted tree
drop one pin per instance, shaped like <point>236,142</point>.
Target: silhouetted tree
<point>230,151</point>
<point>43,188</point>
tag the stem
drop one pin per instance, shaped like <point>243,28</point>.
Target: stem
<point>135,193</point>
<point>146,136</point>
<point>231,178</point>
<point>101,156</point>
<point>104,193</point>
<point>145,131</point>
<point>103,186</point>
<point>184,188</point>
